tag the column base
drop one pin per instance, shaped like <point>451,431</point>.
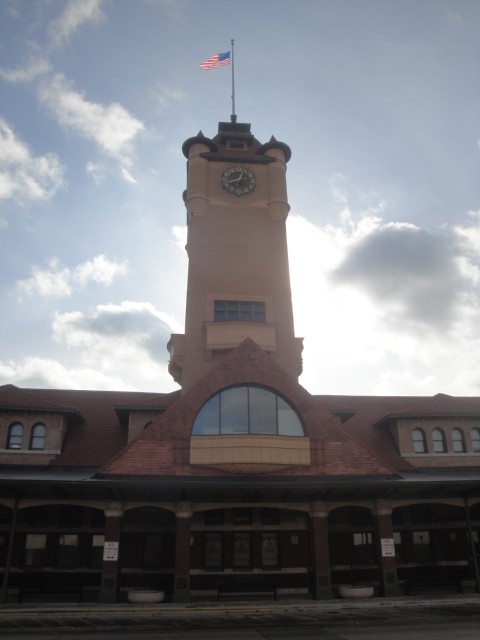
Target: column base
<point>109,591</point>
<point>321,586</point>
<point>181,592</point>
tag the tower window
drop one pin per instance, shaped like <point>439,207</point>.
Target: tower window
<point>249,311</point>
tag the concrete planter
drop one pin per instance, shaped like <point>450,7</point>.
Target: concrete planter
<point>138,596</point>
<point>356,592</point>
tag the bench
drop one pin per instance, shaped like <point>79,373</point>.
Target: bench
<point>245,588</point>
<point>61,590</point>
<point>432,582</point>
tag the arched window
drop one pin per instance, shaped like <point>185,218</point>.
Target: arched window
<point>15,436</point>
<point>475,435</point>
<point>458,440</point>
<point>439,441</point>
<point>419,441</point>
<point>247,410</point>
<point>37,439</point>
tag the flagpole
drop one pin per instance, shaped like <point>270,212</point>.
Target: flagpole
<point>233,117</point>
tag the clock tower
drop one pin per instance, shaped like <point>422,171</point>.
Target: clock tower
<point>238,275</point>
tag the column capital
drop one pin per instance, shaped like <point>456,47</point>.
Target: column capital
<point>184,510</point>
<point>318,509</point>
<point>383,508</point>
<point>113,509</point>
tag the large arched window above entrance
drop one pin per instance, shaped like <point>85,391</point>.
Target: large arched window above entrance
<point>247,410</point>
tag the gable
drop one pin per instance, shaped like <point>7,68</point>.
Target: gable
<point>165,447</point>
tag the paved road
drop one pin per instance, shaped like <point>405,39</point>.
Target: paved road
<point>450,618</point>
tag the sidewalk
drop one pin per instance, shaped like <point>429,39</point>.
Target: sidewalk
<point>24,617</point>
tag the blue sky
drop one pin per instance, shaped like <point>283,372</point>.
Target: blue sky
<point>379,101</point>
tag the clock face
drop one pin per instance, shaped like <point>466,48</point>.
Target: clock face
<point>238,181</point>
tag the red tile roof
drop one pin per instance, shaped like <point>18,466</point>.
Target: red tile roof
<point>96,437</point>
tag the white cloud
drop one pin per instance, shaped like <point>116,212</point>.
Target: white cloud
<point>74,14</point>
<point>168,95</point>
<point>58,281</point>
<point>96,171</point>
<point>34,68</point>
<point>23,176</point>
<point>37,372</point>
<point>110,126</point>
<point>128,339</point>
<point>359,341</point>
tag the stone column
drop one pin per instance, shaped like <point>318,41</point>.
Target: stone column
<point>320,562</point>
<point>181,591</point>
<point>111,552</point>
<point>386,551</point>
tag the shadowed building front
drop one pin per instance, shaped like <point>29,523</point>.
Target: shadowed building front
<point>242,482</point>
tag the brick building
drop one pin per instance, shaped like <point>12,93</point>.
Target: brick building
<point>240,481</point>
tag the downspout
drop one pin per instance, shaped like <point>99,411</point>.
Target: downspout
<point>8,563</point>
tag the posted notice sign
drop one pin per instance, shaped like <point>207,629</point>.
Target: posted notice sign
<point>388,548</point>
<point>110,551</point>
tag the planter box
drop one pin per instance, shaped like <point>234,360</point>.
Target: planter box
<point>356,592</point>
<point>138,596</point>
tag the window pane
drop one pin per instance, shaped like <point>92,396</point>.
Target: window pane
<point>96,551</point>
<point>241,550</point>
<point>269,550</point>
<point>207,421</point>
<point>263,411</point>
<point>234,410</point>
<point>247,409</point>
<point>476,440</point>
<point>458,441</point>
<point>421,542</point>
<point>219,310</point>
<point>439,443</point>
<point>213,550</point>
<point>288,422</point>
<point>233,310</point>
<point>242,516</point>
<point>68,550</point>
<point>35,544</point>
<point>39,433</point>
<point>214,517</point>
<point>419,441</point>
<point>15,436</point>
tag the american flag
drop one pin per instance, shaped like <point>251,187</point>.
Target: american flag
<point>218,60</point>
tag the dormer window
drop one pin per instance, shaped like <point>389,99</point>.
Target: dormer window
<point>475,434</point>
<point>247,410</point>
<point>458,441</point>
<point>419,441</point>
<point>439,441</point>
<point>37,439</point>
<point>15,436</point>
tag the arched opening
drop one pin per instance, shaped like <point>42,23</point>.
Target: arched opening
<point>432,546</point>
<point>147,549</point>
<point>352,546</point>
<point>240,545</point>
<point>58,553</point>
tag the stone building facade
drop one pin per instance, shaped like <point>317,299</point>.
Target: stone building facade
<point>241,482</point>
